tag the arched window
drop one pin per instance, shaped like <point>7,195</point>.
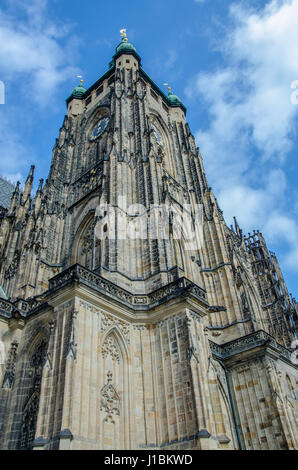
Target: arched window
<point>29,422</point>
<point>161,144</point>
<point>30,411</point>
<point>87,249</point>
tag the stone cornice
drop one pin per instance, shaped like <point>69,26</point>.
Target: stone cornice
<point>85,277</point>
<point>249,343</point>
<point>136,301</point>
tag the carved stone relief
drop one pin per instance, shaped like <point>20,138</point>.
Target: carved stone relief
<point>110,401</point>
<point>107,321</point>
<point>110,348</point>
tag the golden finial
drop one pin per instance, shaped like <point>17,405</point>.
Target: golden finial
<point>81,79</point>
<point>123,34</point>
<point>167,85</point>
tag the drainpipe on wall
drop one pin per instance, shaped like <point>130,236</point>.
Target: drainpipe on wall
<point>232,403</point>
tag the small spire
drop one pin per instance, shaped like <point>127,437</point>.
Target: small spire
<point>81,79</point>
<point>31,174</point>
<point>15,198</point>
<point>17,188</point>
<point>39,190</point>
<point>28,184</point>
<point>237,228</point>
<point>38,197</point>
<point>173,99</point>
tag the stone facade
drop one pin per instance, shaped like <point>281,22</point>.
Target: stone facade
<point>138,343</point>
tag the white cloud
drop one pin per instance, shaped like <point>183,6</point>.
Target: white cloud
<point>252,119</point>
<point>30,49</point>
<point>171,59</point>
<point>35,57</point>
<point>15,157</point>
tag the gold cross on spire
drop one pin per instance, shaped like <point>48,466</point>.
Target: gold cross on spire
<point>167,85</point>
<point>81,79</point>
<point>123,34</point>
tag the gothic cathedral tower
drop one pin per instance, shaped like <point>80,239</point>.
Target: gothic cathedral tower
<point>118,333</point>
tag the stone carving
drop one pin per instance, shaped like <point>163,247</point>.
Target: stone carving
<point>87,182</point>
<point>141,300</point>
<point>9,375</point>
<point>48,361</point>
<point>87,241</point>
<point>110,401</point>
<point>108,288</point>
<point>6,307</point>
<point>88,307</point>
<point>72,345</point>
<point>37,362</point>
<point>110,348</point>
<point>247,342</point>
<point>245,305</point>
<point>174,189</point>
<point>107,321</point>
<point>13,267</point>
<point>139,327</point>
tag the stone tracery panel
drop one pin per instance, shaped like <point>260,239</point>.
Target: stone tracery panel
<point>110,401</point>
<point>87,250</point>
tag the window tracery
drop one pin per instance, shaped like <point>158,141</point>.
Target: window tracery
<point>30,412</point>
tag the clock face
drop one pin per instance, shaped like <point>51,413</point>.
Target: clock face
<point>99,128</point>
<point>158,136</point>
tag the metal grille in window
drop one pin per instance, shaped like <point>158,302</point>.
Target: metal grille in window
<point>29,422</point>
<point>31,408</point>
<point>37,362</point>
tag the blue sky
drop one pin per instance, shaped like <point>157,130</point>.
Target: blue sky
<point>231,62</point>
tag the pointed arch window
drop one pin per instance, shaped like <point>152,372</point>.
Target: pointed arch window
<point>30,412</point>
<point>29,422</point>
<point>87,249</point>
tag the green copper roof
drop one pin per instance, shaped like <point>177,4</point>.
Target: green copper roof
<point>78,91</point>
<point>173,99</point>
<point>125,46</point>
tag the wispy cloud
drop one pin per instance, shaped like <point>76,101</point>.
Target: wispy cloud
<point>31,48</point>
<point>35,58</point>
<point>252,119</point>
<point>15,157</point>
<point>171,59</point>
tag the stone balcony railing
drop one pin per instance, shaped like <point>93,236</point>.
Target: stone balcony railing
<point>181,286</point>
<point>19,307</point>
<point>139,301</point>
<point>246,343</point>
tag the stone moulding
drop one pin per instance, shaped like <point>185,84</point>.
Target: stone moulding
<point>246,343</point>
<point>139,301</point>
<point>181,286</point>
